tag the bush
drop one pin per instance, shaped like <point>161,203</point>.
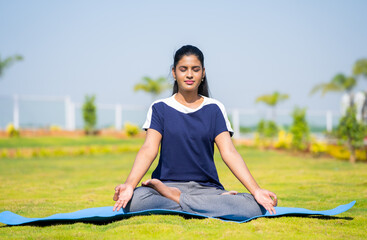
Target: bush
<point>268,129</point>
<point>44,152</point>
<point>12,131</point>
<point>50,152</point>
<point>55,128</point>
<point>284,140</point>
<point>262,142</point>
<point>131,130</point>
<point>351,132</point>
<point>317,148</point>
<point>266,132</point>
<point>4,154</point>
<point>300,129</point>
<point>89,114</point>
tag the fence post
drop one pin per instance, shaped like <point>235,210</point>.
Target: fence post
<point>69,114</point>
<point>236,123</point>
<point>67,101</point>
<point>72,116</point>
<point>329,121</point>
<point>16,111</point>
<point>118,117</point>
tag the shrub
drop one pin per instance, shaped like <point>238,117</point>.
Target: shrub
<point>12,131</point>
<point>93,150</point>
<point>342,152</point>
<point>318,148</point>
<point>89,114</point>
<point>284,140</point>
<point>266,132</point>
<point>261,127</point>
<point>59,152</point>
<point>351,132</point>
<point>131,129</point>
<point>55,128</point>
<point>300,129</point>
<point>44,152</point>
<point>106,149</point>
<point>4,154</point>
<point>268,129</point>
<point>122,149</point>
<point>35,153</point>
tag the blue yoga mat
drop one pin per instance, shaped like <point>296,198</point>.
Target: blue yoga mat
<point>105,215</point>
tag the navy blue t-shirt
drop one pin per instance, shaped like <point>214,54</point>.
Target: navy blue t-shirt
<point>187,145</point>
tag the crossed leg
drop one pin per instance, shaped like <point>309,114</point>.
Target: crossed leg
<point>241,206</point>
<point>171,192</point>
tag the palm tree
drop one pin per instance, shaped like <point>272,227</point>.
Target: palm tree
<point>7,62</point>
<point>154,87</point>
<point>339,83</point>
<point>272,100</point>
<point>360,68</point>
<point>349,129</point>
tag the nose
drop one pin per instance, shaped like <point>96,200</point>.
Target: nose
<point>189,73</point>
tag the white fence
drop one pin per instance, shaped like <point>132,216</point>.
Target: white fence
<point>33,110</point>
<point>318,120</point>
<point>63,107</point>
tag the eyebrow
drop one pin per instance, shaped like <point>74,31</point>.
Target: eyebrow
<point>192,66</point>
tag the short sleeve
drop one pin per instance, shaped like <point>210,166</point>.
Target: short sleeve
<point>154,119</point>
<point>222,123</point>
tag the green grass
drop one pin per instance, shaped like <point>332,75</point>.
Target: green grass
<point>63,141</point>
<point>39,187</point>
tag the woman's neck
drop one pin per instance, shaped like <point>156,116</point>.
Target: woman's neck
<point>188,97</point>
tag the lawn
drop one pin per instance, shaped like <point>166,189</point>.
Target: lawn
<point>30,142</point>
<point>38,187</point>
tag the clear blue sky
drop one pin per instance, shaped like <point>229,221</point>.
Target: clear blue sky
<point>251,47</point>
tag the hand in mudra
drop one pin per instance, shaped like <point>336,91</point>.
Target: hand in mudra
<point>123,194</point>
<point>267,199</point>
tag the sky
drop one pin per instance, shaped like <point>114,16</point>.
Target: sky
<point>251,47</point>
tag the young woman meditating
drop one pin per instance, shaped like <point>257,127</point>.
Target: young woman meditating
<point>187,125</point>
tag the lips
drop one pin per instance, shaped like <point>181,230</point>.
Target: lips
<point>189,82</point>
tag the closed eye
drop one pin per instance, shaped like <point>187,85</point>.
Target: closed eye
<point>196,69</point>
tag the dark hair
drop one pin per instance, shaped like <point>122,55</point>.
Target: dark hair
<point>188,50</point>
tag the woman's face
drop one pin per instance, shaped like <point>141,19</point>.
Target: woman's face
<point>188,73</point>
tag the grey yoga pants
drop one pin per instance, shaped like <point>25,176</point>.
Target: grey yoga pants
<point>198,199</point>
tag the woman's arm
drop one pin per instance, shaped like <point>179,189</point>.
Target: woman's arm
<point>143,161</point>
<point>238,167</point>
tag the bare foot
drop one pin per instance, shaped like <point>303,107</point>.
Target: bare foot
<point>168,192</point>
<point>230,193</point>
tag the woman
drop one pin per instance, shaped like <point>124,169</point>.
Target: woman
<point>187,125</point>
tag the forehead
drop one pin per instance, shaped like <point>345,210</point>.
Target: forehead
<point>190,60</point>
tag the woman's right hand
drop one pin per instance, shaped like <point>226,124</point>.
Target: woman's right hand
<point>267,199</point>
<point>123,194</point>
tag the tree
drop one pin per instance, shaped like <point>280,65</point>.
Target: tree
<point>351,132</point>
<point>272,100</point>
<point>154,87</point>
<point>7,62</point>
<point>89,114</point>
<point>339,83</point>
<point>300,129</point>
<point>349,129</point>
<point>360,68</point>
<point>267,129</point>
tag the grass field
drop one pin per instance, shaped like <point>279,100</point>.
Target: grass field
<point>38,187</point>
<point>62,141</point>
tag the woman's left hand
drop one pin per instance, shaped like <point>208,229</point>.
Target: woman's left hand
<point>267,199</point>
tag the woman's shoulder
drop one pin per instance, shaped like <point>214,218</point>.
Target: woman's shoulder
<point>161,100</point>
<point>210,100</point>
